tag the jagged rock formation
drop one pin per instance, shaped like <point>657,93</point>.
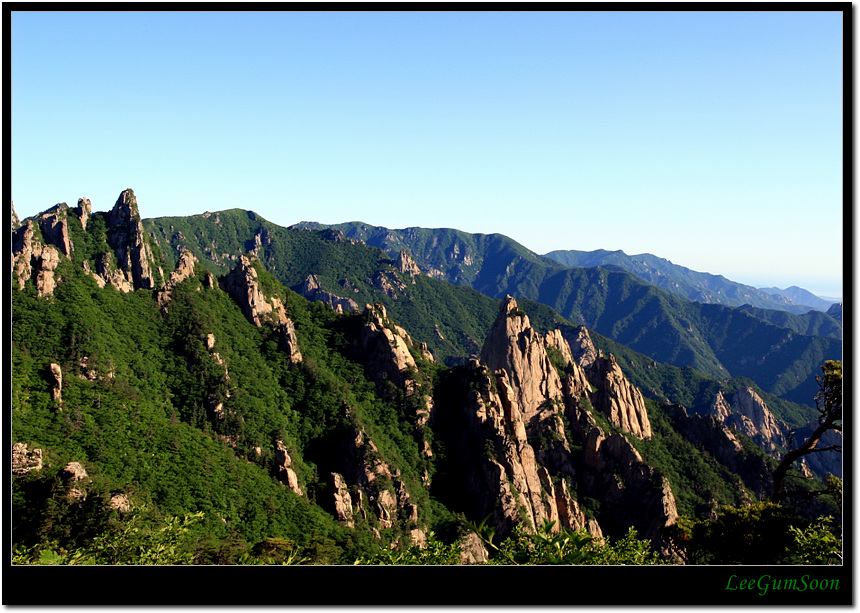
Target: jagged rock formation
<point>311,290</point>
<point>75,477</point>
<point>514,351</point>
<point>617,398</point>
<point>383,347</point>
<point>388,283</point>
<point>84,210</point>
<point>747,413</point>
<point>286,475</point>
<point>135,264</point>
<point>56,381</point>
<point>405,264</point>
<point>243,285</point>
<point>709,432</point>
<point>54,224</point>
<point>368,487</point>
<point>184,270</point>
<point>512,440</point>
<point>24,460</point>
<point>16,223</point>
<point>626,486</point>
<point>33,258</point>
<point>40,244</point>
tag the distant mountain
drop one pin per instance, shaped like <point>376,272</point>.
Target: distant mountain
<point>717,340</point>
<point>798,295</point>
<point>835,311</point>
<point>693,285</point>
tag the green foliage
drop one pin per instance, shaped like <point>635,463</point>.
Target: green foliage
<point>762,533</point>
<point>698,481</point>
<point>132,540</point>
<point>434,552</point>
<point>564,546</point>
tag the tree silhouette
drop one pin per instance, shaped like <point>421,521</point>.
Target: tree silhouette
<point>828,401</point>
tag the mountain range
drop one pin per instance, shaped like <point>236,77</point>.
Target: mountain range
<point>718,341</point>
<point>698,286</point>
<point>336,392</point>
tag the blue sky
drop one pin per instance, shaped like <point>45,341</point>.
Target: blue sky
<point>713,139</point>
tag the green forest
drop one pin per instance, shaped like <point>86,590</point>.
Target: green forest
<point>181,412</point>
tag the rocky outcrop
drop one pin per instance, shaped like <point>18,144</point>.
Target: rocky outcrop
<point>617,398</point>
<point>34,258</point>
<point>285,474</point>
<point>524,405</point>
<point>747,413</point>
<point>581,346</point>
<point>515,352</point>
<point>54,224</point>
<point>630,491</point>
<point>55,380</point>
<point>708,432</point>
<point>24,460</point>
<point>367,487</point>
<point>242,283</point>
<point>343,510</point>
<point>84,210</point>
<point>75,479</point>
<point>406,264</point>
<point>135,265</point>
<point>388,283</point>
<point>120,502</point>
<point>311,290</point>
<point>184,270</point>
<point>16,223</point>
<point>384,349</point>
<point>512,472</point>
<point>243,286</point>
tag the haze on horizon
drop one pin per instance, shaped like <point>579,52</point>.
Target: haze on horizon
<point>712,139</point>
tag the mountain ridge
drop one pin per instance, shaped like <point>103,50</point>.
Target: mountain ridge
<point>496,265</point>
<point>329,432</point>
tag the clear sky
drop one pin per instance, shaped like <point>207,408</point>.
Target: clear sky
<point>713,139</point>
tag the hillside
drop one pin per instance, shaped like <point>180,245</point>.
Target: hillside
<point>719,341</point>
<point>693,285</point>
<point>175,402</point>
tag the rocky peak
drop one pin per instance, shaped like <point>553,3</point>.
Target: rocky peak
<point>311,290</point>
<point>33,259</point>
<point>184,270</point>
<point>54,224</point>
<point>513,346</point>
<point>385,345</point>
<point>125,235</point>
<point>16,223</point>
<point>84,210</point>
<point>581,347</point>
<point>405,264</point>
<point>746,412</point>
<point>617,398</point>
<point>242,283</point>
